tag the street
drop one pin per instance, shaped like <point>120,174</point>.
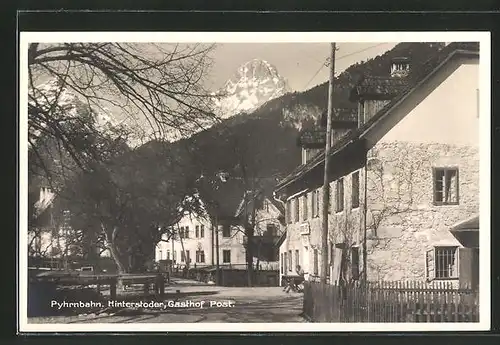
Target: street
<point>229,304</point>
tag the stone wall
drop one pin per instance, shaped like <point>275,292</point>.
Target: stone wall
<point>402,220</point>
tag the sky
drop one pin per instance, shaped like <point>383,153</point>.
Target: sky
<point>299,63</point>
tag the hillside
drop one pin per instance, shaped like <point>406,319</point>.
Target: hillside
<point>264,142</point>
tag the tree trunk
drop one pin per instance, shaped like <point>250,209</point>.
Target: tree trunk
<point>110,238</point>
<point>249,256</point>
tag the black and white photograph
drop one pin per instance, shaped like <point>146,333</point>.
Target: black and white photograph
<point>197,181</point>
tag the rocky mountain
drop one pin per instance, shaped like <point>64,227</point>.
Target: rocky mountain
<point>253,84</point>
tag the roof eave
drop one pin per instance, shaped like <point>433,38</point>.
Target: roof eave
<point>379,116</point>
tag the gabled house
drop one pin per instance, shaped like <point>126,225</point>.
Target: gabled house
<point>400,182</point>
<point>226,205</point>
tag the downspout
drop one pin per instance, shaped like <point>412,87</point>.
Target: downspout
<point>365,211</point>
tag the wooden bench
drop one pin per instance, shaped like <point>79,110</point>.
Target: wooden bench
<point>149,279</point>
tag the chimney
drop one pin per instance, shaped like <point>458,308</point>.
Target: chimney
<point>400,67</point>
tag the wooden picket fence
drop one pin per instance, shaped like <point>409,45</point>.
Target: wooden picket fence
<point>399,301</point>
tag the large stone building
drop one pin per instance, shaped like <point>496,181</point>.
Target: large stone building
<point>404,184</point>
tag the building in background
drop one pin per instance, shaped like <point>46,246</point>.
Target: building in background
<point>195,240</point>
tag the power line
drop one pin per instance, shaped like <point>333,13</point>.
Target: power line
<point>326,63</point>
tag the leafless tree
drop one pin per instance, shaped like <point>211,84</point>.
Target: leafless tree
<point>86,101</point>
<point>159,87</point>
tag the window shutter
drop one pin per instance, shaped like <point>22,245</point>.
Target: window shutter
<point>430,264</point>
<point>465,267</point>
<point>338,257</point>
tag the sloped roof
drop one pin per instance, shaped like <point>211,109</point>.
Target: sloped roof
<point>223,198</point>
<point>383,87</point>
<point>417,75</point>
<point>264,191</point>
<point>468,224</point>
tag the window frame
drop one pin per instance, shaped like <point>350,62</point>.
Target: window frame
<point>224,233</point>
<point>455,268</point>
<point>296,209</point>
<point>305,210</point>
<point>315,203</point>
<point>435,171</point>
<point>200,256</point>
<point>289,212</point>
<point>224,252</point>
<point>290,260</point>
<point>315,261</point>
<point>202,231</point>
<point>271,229</point>
<point>355,196</point>
<point>339,195</point>
<point>197,231</point>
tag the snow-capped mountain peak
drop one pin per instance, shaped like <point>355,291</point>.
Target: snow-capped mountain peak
<point>253,84</point>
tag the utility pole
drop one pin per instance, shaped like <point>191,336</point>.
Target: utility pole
<point>326,189</point>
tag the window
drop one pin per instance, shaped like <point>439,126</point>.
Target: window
<point>161,255</point>
<point>226,230</point>
<point>168,254</point>
<point>281,264</point>
<point>181,232</point>
<point>355,190</point>
<point>442,263</point>
<point>355,263</point>
<point>197,231</point>
<point>188,258</point>
<point>202,231</point>
<point>289,212</point>
<point>174,256</point>
<point>186,232</point>
<point>340,195</point>
<point>271,230</point>
<point>284,262</point>
<point>297,262</point>
<point>289,260</point>
<point>445,186</point>
<point>315,261</point>
<point>296,209</point>
<point>226,256</point>
<point>305,207</point>
<point>315,203</point>
<point>183,256</point>
<point>200,256</point>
